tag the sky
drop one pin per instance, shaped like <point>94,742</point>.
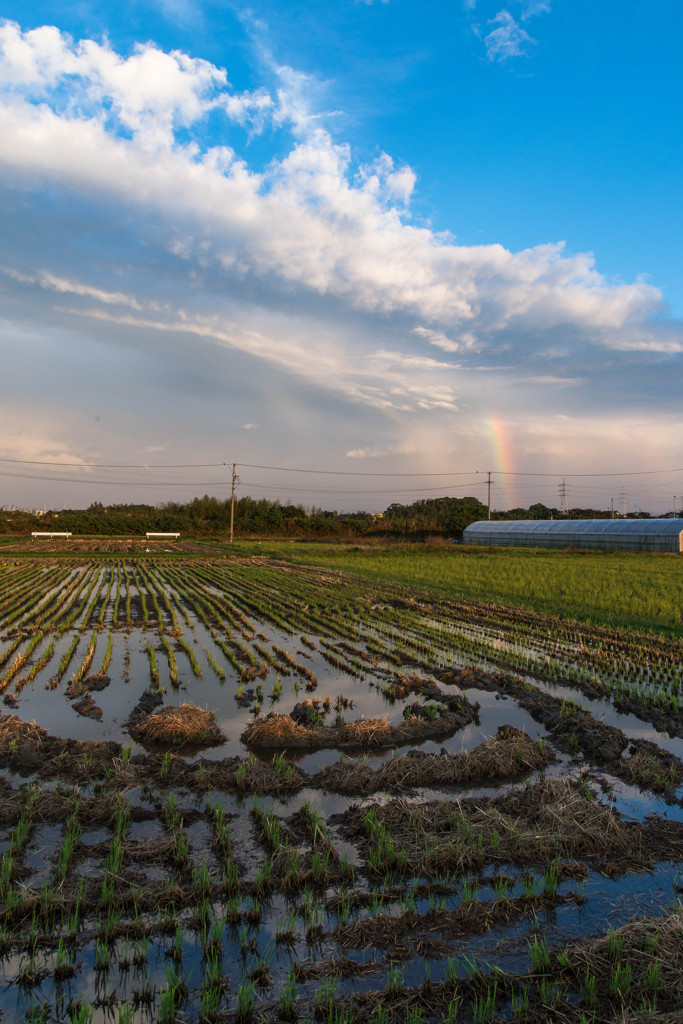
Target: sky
<point>396,245</point>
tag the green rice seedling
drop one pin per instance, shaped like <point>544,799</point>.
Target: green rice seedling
<point>210,1001</point>
<point>201,879</point>
<point>470,890</point>
<point>30,972</point>
<point>231,876</point>
<point>64,962</point>
<point>253,911</point>
<point>245,1003</point>
<point>414,1015</point>
<point>220,672</point>
<point>519,1000</point>
<point>550,877</point>
<point>615,945</point>
<point>167,1005</point>
<point>285,929</point>
<point>153,668</point>
<point>232,910</point>
<point>102,954</point>
<point>81,1013</point>
<point>107,654</point>
<point>619,983</point>
<point>393,985</point>
<point>589,988</point>
<point>165,765</point>
<point>176,951</point>
<point>37,1013</point>
<point>539,954</point>
<point>324,998</point>
<point>286,1003</point>
<point>214,941</point>
<point>320,866</point>
<point>653,982</point>
<point>263,881</point>
<point>126,1014</point>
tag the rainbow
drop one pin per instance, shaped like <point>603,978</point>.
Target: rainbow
<point>503,462</point>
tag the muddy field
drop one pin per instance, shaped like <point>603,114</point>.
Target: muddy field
<point>240,790</point>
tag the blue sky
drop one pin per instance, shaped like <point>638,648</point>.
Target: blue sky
<point>387,237</point>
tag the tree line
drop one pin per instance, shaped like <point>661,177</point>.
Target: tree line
<point>210,516</point>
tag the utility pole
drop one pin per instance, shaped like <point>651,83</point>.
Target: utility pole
<point>623,501</point>
<point>489,476</point>
<point>675,516</point>
<point>235,480</point>
<point>612,508</point>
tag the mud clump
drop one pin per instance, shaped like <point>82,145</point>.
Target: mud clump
<point>27,749</point>
<point>183,726</point>
<point>572,727</point>
<point>276,731</point>
<point>507,755</point>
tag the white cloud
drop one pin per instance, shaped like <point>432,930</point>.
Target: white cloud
<point>380,453</point>
<point>508,40</point>
<point>530,8</point>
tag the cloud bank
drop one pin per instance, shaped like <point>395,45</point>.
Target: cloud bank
<point>134,214</point>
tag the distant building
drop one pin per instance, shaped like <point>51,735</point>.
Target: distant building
<point>588,534</point>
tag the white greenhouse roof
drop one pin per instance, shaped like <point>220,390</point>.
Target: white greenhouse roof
<point>572,527</point>
<point>624,534</point>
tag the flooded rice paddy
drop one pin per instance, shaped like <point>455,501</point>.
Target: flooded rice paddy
<point>246,791</point>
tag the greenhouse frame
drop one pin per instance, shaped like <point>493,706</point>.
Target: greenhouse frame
<point>587,534</point>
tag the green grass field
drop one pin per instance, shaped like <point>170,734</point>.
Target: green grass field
<point>637,591</point>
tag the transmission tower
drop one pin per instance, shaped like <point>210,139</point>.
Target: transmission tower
<point>623,501</point>
<point>563,495</point>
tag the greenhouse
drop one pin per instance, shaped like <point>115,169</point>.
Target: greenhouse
<point>602,534</point>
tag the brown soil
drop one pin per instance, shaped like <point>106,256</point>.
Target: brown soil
<point>183,726</point>
<point>283,733</point>
<point>29,749</point>
<point>532,825</point>
<point>508,754</point>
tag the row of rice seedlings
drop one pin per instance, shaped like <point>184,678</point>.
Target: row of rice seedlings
<point>84,667</point>
<point>38,616</point>
<point>107,654</point>
<point>153,669</point>
<point>74,608</point>
<point>19,837</point>
<point>70,840</point>
<point>18,580</point>
<point>223,847</point>
<point>219,671</point>
<point>191,656</point>
<point>194,597</point>
<point>117,599</point>
<point>64,663</point>
<point>111,575</point>
<point>97,590</point>
<point>230,655</point>
<point>141,595</point>
<point>19,662</point>
<point>37,666</point>
<point>172,664</point>
<point>226,610</point>
<point>161,588</point>
<point>28,599</point>
<point>152,594</point>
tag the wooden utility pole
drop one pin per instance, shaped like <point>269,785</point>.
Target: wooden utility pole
<point>235,479</point>
<point>489,476</point>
